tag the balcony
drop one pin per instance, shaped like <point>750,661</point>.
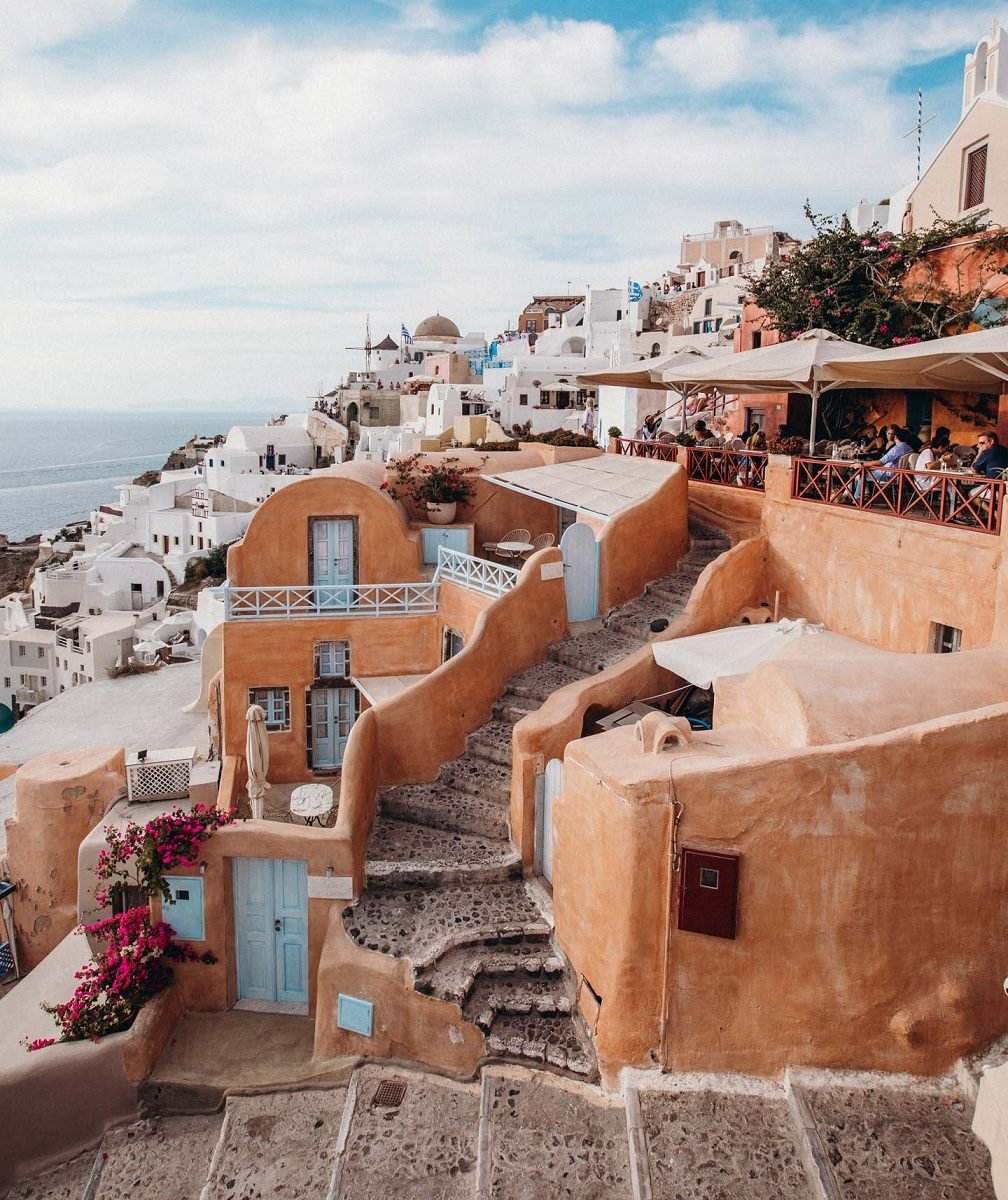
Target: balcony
<point>706,464</point>
<point>29,696</point>
<point>476,574</point>
<point>330,600</point>
<point>947,498</point>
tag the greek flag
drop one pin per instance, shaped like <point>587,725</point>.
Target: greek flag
<point>634,291</point>
<point>407,340</point>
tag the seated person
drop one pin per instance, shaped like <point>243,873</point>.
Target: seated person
<point>930,458</point>
<point>899,448</point>
<point>992,457</point>
<point>757,439</point>
<point>652,423</point>
<point>874,443</point>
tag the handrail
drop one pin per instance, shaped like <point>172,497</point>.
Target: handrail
<point>730,468</point>
<point>639,448</point>
<point>970,502</point>
<point>476,574</point>
<point>326,600</point>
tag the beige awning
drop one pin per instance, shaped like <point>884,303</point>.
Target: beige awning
<point>599,487</point>
<point>376,688</point>
<point>647,372</point>
<point>968,362</point>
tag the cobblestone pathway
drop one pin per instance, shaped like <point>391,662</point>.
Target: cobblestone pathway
<point>520,1134</point>
<point>445,885</point>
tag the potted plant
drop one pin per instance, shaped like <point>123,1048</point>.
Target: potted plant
<point>436,488</point>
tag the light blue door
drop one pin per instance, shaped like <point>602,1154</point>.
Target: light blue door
<point>548,787</point>
<point>580,550</point>
<point>452,538</point>
<point>271,929</point>
<point>333,556</point>
<point>334,711</point>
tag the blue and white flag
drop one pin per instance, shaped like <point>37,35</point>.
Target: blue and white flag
<point>407,340</point>
<point>634,291</point>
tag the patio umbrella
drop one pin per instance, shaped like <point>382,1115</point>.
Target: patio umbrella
<point>257,759</point>
<point>647,374</point>
<point>803,364</point>
<point>737,650</point>
<point>967,362</point>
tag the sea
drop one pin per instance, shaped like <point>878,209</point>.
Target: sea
<point>57,467</point>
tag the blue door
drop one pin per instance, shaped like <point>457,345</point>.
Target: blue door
<point>580,551</point>
<point>334,711</point>
<point>333,560</point>
<point>271,929</point>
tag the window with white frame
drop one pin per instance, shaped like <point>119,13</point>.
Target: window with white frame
<point>21,651</point>
<point>332,660</point>
<point>275,703</point>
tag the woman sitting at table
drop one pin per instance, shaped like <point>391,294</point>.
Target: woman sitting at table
<point>930,458</point>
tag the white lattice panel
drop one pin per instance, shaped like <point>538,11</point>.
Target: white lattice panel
<point>158,778</point>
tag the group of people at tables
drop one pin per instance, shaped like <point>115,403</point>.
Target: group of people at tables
<point>721,438</point>
<point>896,447</point>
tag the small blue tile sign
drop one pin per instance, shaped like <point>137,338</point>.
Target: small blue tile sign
<point>355,1014</point>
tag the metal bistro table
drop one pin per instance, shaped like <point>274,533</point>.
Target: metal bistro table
<point>514,549</point>
<point>312,802</point>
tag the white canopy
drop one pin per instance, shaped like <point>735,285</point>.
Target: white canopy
<point>968,362</point>
<point>600,486</point>
<point>803,364</point>
<point>737,650</point>
<point>647,373</point>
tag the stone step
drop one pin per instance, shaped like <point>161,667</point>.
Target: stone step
<point>542,680</point>
<point>161,1158</point>
<point>492,741</point>
<point>710,1143</point>
<point>900,1143</point>
<point>443,807</point>
<point>517,995</point>
<point>541,1040</point>
<point>452,977</point>
<point>635,619</point>
<point>405,852</point>
<point>511,708</point>
<point>595,651</point>
<point>67,1181</point>
<point>478,777</point>
<point>279,1144</point>
<point>423,924</point>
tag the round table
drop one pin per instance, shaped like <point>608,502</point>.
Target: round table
<point>514,549</point>
<point>312,801</point>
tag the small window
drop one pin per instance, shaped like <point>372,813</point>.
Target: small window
<point>757,339</point>
<point>41,651</point>
<point>160,587</point>
<point>696,326</point>
<point>523,398</point>
<point>974,176</point>
<point>275,702</point>
<point>21,651</point>
<point>125,896</point>
<point>945,639</point>
<point>332,660</point>
<point>175,540</point>
<point>453,643</point>
<point>708,307</point>
<point>7,683</point>
<point>701,278</point>
<point>282,459</point>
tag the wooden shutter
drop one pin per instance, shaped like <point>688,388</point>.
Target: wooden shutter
<point>976,174</point>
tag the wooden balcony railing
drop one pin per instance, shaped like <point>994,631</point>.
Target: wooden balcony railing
<point>939,497</point>
<point>729,468</point>
<point>634,448</point>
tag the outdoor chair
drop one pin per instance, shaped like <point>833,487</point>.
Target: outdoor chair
<point>514,535</point>
<point>540,543</point>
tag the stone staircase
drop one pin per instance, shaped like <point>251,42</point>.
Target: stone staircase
<point>445,885</point>
<point>529,1135</point>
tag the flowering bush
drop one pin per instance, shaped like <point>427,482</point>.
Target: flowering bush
<point>140,854</point>
<point>445,482</point>
<point>788,445</point>
<point>134,966</point>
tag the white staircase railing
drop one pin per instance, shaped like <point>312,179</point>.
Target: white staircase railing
<point>347,600</point>
<point>476,574</point>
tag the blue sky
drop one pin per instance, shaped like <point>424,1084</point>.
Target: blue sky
<point>200,202</point>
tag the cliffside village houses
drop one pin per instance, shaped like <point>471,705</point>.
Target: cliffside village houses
<point>647,758</point>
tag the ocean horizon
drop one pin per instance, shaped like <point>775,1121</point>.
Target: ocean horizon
<point>57,466</point>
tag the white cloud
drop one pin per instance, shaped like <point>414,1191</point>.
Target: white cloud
<point>38,24</point>
<point>216,219</point>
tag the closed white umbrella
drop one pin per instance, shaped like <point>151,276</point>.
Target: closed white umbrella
<point>257,759</point>
<point>737,650</point>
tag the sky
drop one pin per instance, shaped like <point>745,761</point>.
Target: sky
<point>201,201</point>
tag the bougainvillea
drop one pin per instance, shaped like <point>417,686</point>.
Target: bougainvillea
<point>135,964</point>
<point>855,284</point>
<point>447,481</point>
<point>141,854</point>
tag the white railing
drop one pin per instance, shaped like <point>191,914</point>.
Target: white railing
<point>27,695</point>
<point>476,574</point>
<point>343,600</point>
